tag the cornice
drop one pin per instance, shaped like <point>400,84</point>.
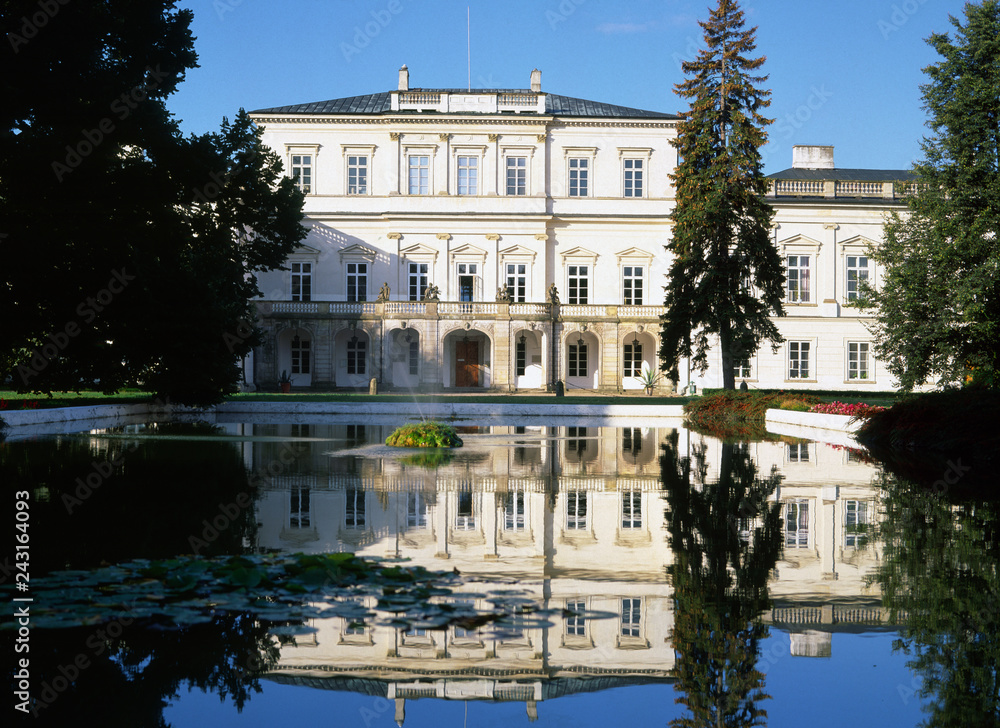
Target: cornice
<point>549,121</point>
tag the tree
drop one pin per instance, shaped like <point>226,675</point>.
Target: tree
<point>726,277</point>
<point>937,312</point>
<point>129,250</point>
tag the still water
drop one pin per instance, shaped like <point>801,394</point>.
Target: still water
<point>646,576</point>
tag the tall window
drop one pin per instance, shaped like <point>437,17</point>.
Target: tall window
<point>857,273</point>
<point>858,368</point>
<point>413,358</point>
<point>855,523</point>
<point>579,284</point>
<point>517,175</point>
<point>468,175</point>
<point>513,511</point>
<point>357,174</point>
<point>798,452</point>
<point>301,281</point>
<point>633,359</point>
<point>576,510</point>
<point>356,355</point>
<point>576,621</point>
<point>798,359</point>
<point>465,516</point>
<point>419,173</point>
<point>631,441</point>
<point>302,170</point>
<point>300,355</point>
<point>416,511</point>
<point>520,357</point>
<point>416,280</point>
<point>577,364</point>
<point>633,177</point>
<point>632,509</point>
<point>467,274</point>
<point>798,279</point>
<point>797,524</point>
<point>298,509</point>
<point>632,285</point>
<point>579,177</point>
<point>631,617</point>
<point>355,513</point>
<point>517,281</point>
<point>742,369</point>
<point>357,281</point>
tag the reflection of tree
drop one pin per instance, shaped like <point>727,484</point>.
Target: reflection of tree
<point>127,681</point>
<point>725,537</point>
<point>940,576</point>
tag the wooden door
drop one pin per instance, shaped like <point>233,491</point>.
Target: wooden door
<point>466,363</point>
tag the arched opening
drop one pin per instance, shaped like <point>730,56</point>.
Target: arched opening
<point>638,358</point>
<point>296,356</point>
<point>469,353</point>
<point>404,359</point>
<point>528,372</point>
<point>353,358</point>
<point>582,356</point>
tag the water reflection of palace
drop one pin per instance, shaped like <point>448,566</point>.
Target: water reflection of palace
<point>576,516</point>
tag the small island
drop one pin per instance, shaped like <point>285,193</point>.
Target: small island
<point>424,434</point>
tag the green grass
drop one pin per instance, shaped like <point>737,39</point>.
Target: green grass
<point>11,400</point>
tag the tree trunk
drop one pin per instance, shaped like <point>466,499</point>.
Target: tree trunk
<point>726,345</point>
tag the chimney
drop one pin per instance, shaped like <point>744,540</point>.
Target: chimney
<point>536,80</point>
<point>812,157</point>
<point>404,78</point>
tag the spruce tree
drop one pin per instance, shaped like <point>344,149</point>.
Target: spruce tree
<point>726,278</point>
<point>938,309</point>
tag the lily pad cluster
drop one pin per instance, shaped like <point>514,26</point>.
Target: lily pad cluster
<point>424,434</point>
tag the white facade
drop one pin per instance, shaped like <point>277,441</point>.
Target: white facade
<point>494,198</point>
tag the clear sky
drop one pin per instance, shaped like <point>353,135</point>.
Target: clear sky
<point>845,73</point>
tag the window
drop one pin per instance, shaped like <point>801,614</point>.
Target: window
<point>468,175</point>
<point>517,281</point>
<point>631,617</point>
<point>855,523</point>
<point>298,509</point>
<point>356,356</point>
<point>416,511</point>
<point>576,510</point>
<point>579,284</point>
<point>858,368</point>
<point>467,274</point>
<point>632,285</point>
<point>465,516</point>
<point>419,173</point>
<point>798,359</point>
<point>513,512</point>
<point>857,273</point>
<point>632,509</point>
<point>302,169</point>
<point>413,358</point>
<point>520,357</point>
<point>576,622</point>
<point>461,633</point>
<point>517,175</point>
<point>633,177</point>
<point>300,355</point>
<point>577,360</point>
<point>633,359</point>
<point>798,452</point>
<point>355,514</point>
<point>356,434</point>
<point>357,281</point>
<point>742,369</point>
<point>631,441</point>
<point>301,281</point>
<point>416,280</point>
<point>797,524</point>
<point>579,177</point>
<point>798,279</point>
<point>357,174</point>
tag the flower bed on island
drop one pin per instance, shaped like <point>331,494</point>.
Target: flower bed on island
<point>424,434</point>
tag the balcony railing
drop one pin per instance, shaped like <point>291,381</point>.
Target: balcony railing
<point>417,309</point>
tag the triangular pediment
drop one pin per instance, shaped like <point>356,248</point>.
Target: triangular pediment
<point>858,241</point>
<point>579,252</point>
<point>303,249</point>
<point>358,251</point>
<point>801,241</point>
<point>419,250</point>
<point>518,251</point>
<point>635,253</point>
<point>468,251</point>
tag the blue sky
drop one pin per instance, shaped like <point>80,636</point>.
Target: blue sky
<point>845,73</point>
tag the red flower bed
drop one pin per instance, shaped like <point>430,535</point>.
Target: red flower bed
<point>854,409</point>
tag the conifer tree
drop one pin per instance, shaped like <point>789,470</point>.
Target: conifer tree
<point>726,278</point>
<point>938,309</point>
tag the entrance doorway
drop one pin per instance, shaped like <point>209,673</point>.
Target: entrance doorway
<point>466,363</point>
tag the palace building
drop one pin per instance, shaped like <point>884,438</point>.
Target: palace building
<point>511,239</point>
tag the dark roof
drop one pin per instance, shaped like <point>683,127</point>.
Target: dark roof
<point>555,105</point>
<point>853,175</point>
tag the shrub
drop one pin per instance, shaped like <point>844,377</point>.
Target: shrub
<point>734,415</point>
<point>424,434</point>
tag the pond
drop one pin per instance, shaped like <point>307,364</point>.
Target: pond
<point>604,573</point>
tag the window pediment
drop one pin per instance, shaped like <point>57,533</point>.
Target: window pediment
<point>468,252</point>
<point>635,254</point>
<point>579,253</point>
<point>358,252</point>
<point>799,242</point>
<point>518,253</point>
<point>858,242</point>
<point>421,251</point>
